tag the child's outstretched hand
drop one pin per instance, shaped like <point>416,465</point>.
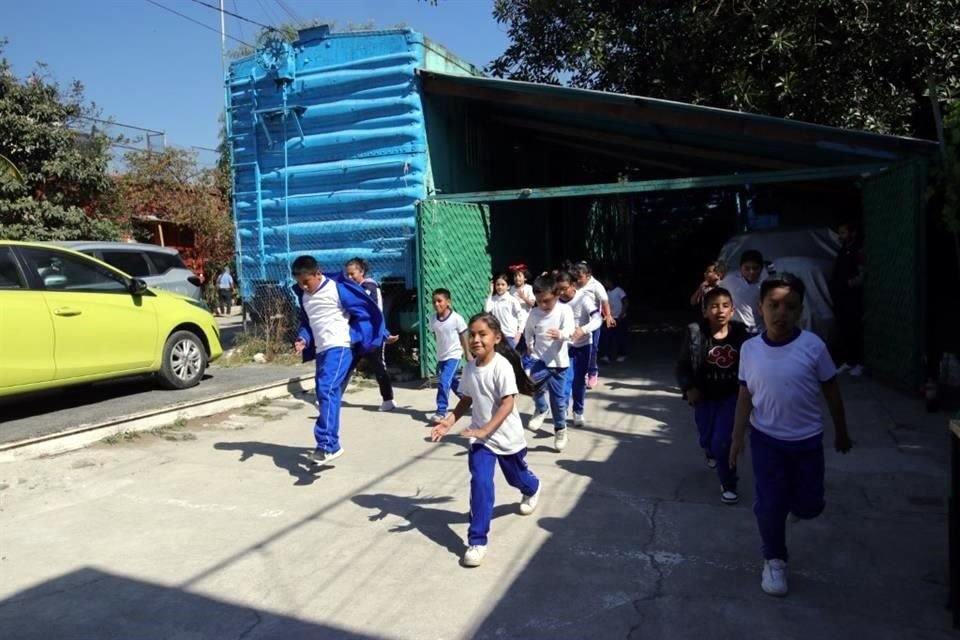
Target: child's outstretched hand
<point>842,442</point>
<point>442,428</point>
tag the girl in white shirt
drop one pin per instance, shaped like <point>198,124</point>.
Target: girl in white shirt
<point>523,292</point>
<point>506,309</point>
<point>490,384</point>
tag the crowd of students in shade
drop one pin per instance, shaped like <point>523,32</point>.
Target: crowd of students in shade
<point>745,362</point>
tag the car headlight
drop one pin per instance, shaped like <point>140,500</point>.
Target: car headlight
<point>199,303</point>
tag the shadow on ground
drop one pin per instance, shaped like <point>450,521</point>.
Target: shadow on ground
<point>419,514</point>
<point>293,460</point>
<point>94,604</point>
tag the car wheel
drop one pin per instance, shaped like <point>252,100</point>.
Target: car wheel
<point>184,361</point>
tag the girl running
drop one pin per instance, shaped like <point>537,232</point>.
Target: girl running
<point>506,309</point>
<point>490,385</point>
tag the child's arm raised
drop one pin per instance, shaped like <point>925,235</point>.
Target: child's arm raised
<point>831,391</point>
<point>740,421</point>
<point>451,418</point>
<point>504,410</point>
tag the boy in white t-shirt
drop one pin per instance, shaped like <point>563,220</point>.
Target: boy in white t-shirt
<point>451,332</point>
<point>782,373</point>
<point>489,388</point>
<point>587,318</point>
<point>336,315</point>
<point>550,327</point>
<point>744,286</point>
<point>592,287</point>
<point>613,340</point>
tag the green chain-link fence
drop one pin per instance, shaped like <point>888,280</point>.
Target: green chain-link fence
<point>453,252</point>
<point>894,299</point>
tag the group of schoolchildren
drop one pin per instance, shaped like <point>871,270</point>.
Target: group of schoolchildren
<point>745,362</point>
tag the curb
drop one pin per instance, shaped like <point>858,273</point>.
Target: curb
<point>85,435</point>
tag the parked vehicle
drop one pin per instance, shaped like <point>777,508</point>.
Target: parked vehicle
<point>160,267</point>
<point>67,318</point>
<point>808,254</point>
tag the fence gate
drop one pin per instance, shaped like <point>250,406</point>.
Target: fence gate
<point>453,252</point>
<point>894,289</point>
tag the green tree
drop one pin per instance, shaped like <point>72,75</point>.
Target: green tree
<point>846,63</point>
<point>171,186</point>
<point>63,168</point>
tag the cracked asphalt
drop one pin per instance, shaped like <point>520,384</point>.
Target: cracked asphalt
<point>228,533</point>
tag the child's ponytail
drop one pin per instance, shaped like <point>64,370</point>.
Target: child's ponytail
<point>525,385</point>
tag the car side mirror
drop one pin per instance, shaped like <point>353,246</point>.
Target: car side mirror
<point>138,287</point>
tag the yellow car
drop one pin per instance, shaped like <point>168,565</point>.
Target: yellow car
<point>67,318</point>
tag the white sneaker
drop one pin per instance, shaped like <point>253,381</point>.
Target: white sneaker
<point>605,359</point>
<point>474,555</point>
<point>856,371</point>
<point>437,418</point>
<point>774,578</point>
<point>843,368</point>
<point>529,503</point>
<point>388,405</point>
<point>729,497</point>
<point>560,439</point>
<point>621,358</point>
<point>578,420</point>
<point>536,421</point>
<point>321,457</point>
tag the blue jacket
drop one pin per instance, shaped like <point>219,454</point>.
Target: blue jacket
<point>367,327</point>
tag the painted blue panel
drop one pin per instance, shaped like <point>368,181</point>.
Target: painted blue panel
<point>332,162</point>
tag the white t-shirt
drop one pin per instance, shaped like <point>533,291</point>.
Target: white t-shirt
<point>527,291</point>
<point>487,386</point>
<point>595,291</point>
<point>329,321</point>
<point>448,333</point>
<point>746,300</point>
<point>585,315</point>
<point>552,352</point>
<point>508,311</point>
<point>784,380</point>
<point>617,296</point>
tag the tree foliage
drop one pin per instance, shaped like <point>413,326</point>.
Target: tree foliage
<point>62,160</point>
<point>169,185</point>
<point>850,63</point>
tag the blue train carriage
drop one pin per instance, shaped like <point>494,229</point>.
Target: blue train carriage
<point>329,151</point>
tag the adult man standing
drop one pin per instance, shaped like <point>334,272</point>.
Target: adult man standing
<point>225,291</point>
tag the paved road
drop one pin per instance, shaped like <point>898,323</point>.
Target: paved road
<point>231,534</point>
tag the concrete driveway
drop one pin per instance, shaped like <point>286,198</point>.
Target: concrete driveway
<point>223,531</point>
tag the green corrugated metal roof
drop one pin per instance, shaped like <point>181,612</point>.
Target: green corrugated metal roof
<point>689,139</point>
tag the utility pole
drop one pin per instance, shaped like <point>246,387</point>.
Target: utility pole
<point>223,43</point>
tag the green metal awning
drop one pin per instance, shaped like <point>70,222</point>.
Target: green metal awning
<point>682,139</point>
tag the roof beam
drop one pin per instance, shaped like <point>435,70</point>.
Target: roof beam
<point>673,184</point>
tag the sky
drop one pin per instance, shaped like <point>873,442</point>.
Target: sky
<point>146,67</point>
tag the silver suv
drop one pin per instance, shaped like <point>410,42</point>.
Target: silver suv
<point>160,267</point>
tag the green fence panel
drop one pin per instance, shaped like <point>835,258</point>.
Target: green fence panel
<point>453,243</point>
<point>894,289</point>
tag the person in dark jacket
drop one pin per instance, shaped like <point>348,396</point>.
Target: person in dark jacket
<point>846,289</point>
<point>707,374</point>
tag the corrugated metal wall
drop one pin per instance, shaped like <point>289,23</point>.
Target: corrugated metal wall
<point>331,161</point>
